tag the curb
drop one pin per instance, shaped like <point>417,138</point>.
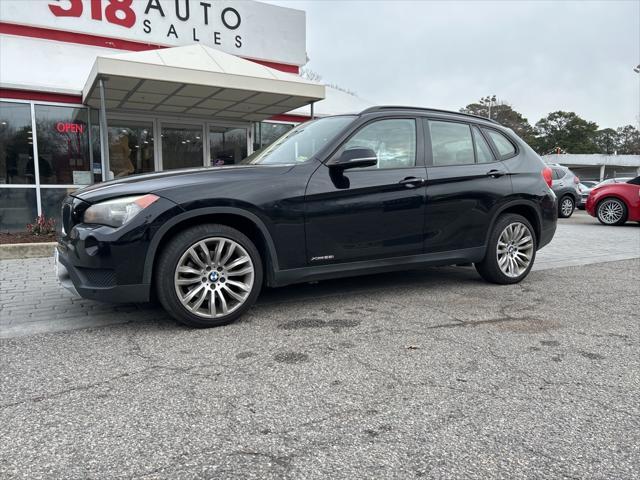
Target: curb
<point>13,251</point>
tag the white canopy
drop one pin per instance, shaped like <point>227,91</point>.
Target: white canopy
<point>196,81</point>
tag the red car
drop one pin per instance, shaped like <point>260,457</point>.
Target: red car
<point>615,203</point>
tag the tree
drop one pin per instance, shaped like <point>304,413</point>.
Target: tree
<point>628,140</point>
<point>606,141</point>
<point>504,114</point>
<point>567,131</point>
<point>309,74</point>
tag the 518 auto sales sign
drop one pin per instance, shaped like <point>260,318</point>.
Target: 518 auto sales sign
<point>241,27</point>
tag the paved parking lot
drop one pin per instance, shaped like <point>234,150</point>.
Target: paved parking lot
<point>430,373</point>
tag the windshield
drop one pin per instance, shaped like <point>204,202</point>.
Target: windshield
<point>634,181</point>
<point>301,143</point>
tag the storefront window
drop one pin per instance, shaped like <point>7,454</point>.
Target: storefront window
<point>16,144</point>
<point>18,207</point>
<point>130,147</point>
<point>227,145</point>
<point>265,133</point>
<point>181,146</point>
<point>63,145</point>
<point>51,199</point>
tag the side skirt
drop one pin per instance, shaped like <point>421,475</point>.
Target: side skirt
<point>367,267</point>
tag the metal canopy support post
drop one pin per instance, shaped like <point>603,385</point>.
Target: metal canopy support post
<point>104,134</point>
<point>312,113</point>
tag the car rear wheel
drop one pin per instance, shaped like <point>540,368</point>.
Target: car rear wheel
<point>612,211</point>
<point>566,207</point>
<point>208,275</point>
<point>511,251</point>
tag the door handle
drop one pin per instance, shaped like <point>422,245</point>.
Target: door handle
<point>412,182</point>
<point>496,173</point>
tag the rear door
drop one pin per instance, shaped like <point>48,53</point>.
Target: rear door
<point>374,212</point>
<point>466,182</point>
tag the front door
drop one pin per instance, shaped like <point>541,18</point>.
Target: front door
<point>374,212</point>
<point>465,184</point>
<point>182,145</point>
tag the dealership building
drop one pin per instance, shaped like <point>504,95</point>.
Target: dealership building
<point>100,89</point>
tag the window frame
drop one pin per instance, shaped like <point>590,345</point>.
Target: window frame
<point>475,148</point>
<point>470,125</point>
<point>516,150</point>
<point>420,143</point>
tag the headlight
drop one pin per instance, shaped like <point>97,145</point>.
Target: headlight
<point>119,211</point>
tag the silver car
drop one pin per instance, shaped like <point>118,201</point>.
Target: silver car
<point>565,186</point>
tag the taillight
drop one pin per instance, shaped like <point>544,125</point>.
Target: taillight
<point>547,175</point>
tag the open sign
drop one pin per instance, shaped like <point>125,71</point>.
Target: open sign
<point>64,127</point>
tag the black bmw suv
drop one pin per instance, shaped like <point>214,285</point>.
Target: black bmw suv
<point>390,188</point>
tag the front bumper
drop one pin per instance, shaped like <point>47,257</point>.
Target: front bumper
<point>105,263</point>
<point>63,274</point>
<point>96,284</point>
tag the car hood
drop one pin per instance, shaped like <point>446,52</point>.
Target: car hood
<point>186,178</point>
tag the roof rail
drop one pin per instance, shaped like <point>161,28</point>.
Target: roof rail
<point>437,110</point>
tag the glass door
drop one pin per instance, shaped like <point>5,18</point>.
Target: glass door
<point>130,147</point>
<point>227,145</point>
<point>182,145</point>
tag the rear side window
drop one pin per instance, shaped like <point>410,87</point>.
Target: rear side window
<point>451,143</point>
<point>503,145</point>
<point>558,173</point>
<point>393,140</point>
<point>483,152</point>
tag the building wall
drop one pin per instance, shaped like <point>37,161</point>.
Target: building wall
<point>598,166</point>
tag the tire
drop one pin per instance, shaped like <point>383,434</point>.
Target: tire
<point>611,211</point>
<point>566,206</point>
<point>519,253</point>
<point>219,279</point>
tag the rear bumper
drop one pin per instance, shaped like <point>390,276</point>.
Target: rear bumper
<point>546,235</point>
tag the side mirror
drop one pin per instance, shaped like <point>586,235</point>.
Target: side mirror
<point>355,158</point>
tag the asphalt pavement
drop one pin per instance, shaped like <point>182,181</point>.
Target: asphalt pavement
<point>429,373</point>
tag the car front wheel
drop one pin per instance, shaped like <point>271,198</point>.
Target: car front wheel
<point>511,251</point>
<point>208,275</point>
<point>612,211</point>
<point>566,207</point>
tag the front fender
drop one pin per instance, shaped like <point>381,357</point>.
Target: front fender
<point>201,212</point>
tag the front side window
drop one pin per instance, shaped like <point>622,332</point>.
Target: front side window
<point>393,141</point>
<point>503,145</point>
<point>301,143</point>
<point>483,152</point>
<point>451,143</point>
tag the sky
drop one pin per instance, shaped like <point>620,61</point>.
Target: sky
<point>539,56</point>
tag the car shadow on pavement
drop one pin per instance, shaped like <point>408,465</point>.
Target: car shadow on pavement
<point>366,284</point>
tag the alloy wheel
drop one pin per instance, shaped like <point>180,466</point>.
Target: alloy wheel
<point>610,211</point>
<point>515,249</point>
<point>214,277</point>
<point>567,207</point>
